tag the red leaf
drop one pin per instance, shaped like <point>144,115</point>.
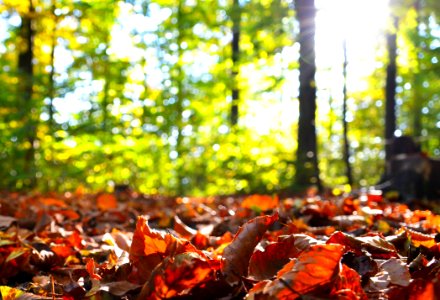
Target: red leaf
<point>237,254</point>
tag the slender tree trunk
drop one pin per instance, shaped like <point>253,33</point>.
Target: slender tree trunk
<point>25,69</point>
<point>348,171</point>
<point>51,87</point>
<point>390,90</point>
<point>235,44</point>
<point>307,171</point>
<point>105,96</point>
<point>179,101</point>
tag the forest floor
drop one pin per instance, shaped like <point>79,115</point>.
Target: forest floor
<point>133,246</point>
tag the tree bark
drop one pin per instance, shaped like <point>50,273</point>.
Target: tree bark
<point>235,44</point>
<point>26,74</point>
<point>348,171</point>
<point>390,90</point>
<point>418,99</point>
<point>307,171</point>
<point>51,87</point>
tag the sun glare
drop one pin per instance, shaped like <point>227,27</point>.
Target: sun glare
<point>359,22</point>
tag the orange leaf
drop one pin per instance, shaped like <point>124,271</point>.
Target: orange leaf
<point>260,202</point>
<point>75,240</point>
<point>419,239</point>
<point>149,247</point>
<point>90,267</point>
<point>182,229</point>
<point>348,281</point>
<point>421,290</point>
<point>315,267</point>
<point>106,202</point>
<point>53,202</point>
<point>69,213</point>
<point>63,251</point>
<point>237,254</point>
<point>176,276</point>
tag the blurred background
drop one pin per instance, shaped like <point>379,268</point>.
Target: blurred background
<point>202,97</point>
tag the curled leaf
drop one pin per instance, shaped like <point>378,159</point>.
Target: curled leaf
<point>237,254</point>
<point>313,268</point>
<point>176,276</point>
<point>265,264</point>
<point>149,247</point>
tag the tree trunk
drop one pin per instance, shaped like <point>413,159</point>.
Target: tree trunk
<point>307,171</point>
<point>51,87</point>
<point>418,99</point>
<point>25,70</point>
<point>348,171</point>
<point>390,91</point>
<point>235,44</point>
<point>179,101</point>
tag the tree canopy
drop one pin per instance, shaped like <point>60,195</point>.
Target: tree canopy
<point>200,97</point>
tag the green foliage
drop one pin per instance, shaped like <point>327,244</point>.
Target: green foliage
<point>138,92</point>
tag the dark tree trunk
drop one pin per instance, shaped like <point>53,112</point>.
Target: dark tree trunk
<point>307,171</point>
<point>348,171</point>
<point>418,98</point>
<point>390,91</point>
<point>25,69</point>
<point>236,18</point>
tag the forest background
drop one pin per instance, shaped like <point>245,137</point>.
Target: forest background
<point>201,97</point>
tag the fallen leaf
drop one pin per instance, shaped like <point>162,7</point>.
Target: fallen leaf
<point>260,202</point>
<point>237,254</point>
<point>91,269</point>
<point>419,239</point>
<point>106,202</point>
<point>176,276</point>
<point>265,264</point>
<point>398,271</point>
<point>314,268</point>
<point>6,221</point>
<point>149,247</point>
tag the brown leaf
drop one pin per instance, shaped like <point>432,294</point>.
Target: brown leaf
<point>398,271</point>
<point>237,254</point>
<point>377,246</point>
<point>265,264</point>
<point>6,221</point>
<point>119,288</point>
